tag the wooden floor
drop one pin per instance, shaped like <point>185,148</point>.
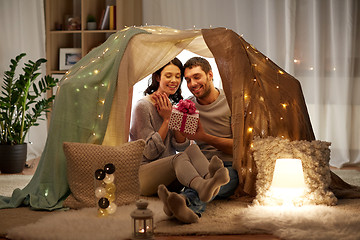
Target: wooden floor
<point>219,237</point>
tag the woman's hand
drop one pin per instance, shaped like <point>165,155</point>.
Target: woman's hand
<point>163,105</point>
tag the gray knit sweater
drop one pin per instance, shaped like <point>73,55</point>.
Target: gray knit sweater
<point>215,118</point>
<point>146,121</point>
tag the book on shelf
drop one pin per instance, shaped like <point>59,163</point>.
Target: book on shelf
<point>101,19</point>
<point>112,19</point>
<point>108,20</point>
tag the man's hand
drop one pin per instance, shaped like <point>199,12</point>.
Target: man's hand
<point>199,134</point>
<point>223,144</point>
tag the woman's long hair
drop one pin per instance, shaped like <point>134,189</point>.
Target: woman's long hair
<point>155,78</point>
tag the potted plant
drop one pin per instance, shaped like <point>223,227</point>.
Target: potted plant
<point>91,22</point>
<point>23,102</point>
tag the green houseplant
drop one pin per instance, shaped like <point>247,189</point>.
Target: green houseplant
<point>22,104</point>
<point>91,22</point>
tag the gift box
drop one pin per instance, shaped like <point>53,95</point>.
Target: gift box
<point>184,117</point>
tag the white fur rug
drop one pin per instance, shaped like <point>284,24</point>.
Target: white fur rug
<point>309,222</point>
<point>83,224</point>
<point>221,217</point>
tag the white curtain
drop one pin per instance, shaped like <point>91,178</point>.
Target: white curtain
<point>317,41</point>
<point>22,30</point>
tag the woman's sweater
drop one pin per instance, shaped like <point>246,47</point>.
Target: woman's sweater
<point>146,121</point>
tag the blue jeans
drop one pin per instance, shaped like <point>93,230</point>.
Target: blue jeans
<point>192,198</point>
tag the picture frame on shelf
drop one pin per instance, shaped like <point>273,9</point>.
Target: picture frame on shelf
<point>68,57</point>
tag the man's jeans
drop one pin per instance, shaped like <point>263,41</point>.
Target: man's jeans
<point>193,200</point>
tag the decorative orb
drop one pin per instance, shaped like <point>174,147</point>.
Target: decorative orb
<point>100,174</point>
<point>102,212</point>
<point>112,208</point>
<point>110,197</point>
<point>103,203</point>
<point>110,188</point>
<point>109,168</point>
<point>109,178</point>
<point>100,192</point>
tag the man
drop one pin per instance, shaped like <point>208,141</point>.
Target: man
<point>214,137</point>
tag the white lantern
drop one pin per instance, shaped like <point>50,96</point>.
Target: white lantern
<point>142,219</point>
<point>288,180</point>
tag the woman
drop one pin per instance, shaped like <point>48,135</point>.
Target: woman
<point>161,164</point>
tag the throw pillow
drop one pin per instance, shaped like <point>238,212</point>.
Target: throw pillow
<point>315,157</point>
<point>84,159</point>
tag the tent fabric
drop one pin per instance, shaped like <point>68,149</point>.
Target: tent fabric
<point>265,100</point>
<point>144,54</point>
<point>93,102</point>
<point>80,114</point>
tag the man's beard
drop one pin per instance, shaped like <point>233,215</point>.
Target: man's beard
<point>207,90</point>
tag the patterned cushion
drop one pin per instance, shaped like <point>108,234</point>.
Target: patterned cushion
<point>84,159</point>
<point>315,157</point>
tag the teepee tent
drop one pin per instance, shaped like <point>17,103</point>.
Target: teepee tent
<point>93,104</point>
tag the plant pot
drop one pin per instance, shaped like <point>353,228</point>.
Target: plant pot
<point>13,158</point>
<point>91,25</point>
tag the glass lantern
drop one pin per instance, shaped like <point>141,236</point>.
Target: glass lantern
<point>142,219</point>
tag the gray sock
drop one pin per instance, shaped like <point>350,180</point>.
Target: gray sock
<point>177,205</point>
<point>163,194</point>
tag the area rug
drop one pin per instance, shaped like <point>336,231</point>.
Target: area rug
<point>8,182</point>
<point>84,224</point>
<point>221,217</point>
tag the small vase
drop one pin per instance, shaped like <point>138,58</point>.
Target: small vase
<point>13,158</point>
<point>91,25</point>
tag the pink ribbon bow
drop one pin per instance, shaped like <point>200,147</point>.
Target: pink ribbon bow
<point>186,106</point>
